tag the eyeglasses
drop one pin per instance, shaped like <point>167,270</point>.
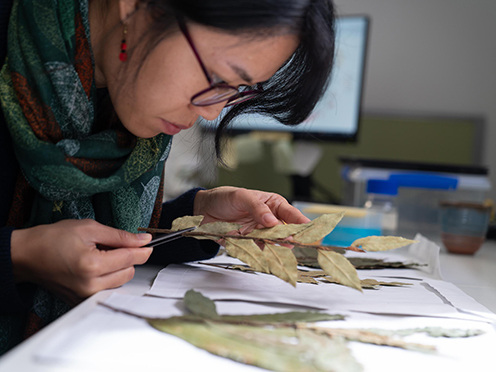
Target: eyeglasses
<point>217,92</point>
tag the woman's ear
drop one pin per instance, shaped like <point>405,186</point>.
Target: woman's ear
<point>127,7</point>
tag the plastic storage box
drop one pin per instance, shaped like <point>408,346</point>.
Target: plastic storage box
<point>421,187</point>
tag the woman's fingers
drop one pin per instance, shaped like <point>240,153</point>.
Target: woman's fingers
<point>118,259</point>
<point>115,279</point>
<point>111,237</point>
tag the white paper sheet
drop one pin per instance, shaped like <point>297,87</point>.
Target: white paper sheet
<point>107,340</point>
<point>221,284</point>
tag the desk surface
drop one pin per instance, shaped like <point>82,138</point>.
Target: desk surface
<point>475,275</point>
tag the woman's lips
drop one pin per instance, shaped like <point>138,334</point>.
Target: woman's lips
<point>170,128</point>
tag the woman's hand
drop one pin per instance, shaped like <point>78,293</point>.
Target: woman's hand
<point>251,208</point>
<point>64,257</point>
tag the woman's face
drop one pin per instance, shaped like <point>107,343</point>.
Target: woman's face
<point>158,100</point>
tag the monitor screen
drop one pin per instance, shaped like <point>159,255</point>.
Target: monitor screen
<point>336,116</point>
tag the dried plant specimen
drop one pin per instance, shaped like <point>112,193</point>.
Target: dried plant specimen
<point>279,260</point>
<point>381,243</point>
<point>285,341</point>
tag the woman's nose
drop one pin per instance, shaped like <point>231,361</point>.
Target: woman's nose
<point>210,112</point>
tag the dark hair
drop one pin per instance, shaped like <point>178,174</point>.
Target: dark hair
<point>292,93</point>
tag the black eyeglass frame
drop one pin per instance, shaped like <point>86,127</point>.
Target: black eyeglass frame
<point>237,96</point>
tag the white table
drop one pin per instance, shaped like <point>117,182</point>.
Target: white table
<point>476,275</point>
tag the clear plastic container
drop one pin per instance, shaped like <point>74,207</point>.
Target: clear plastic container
<point>381,200</point>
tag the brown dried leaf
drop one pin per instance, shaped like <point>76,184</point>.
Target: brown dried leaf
<point>373,282</point>
<point>367,283</point>
<point>306,279</point>
<point>216,228</point>
<point>185,222</point>
<point>247,251</point>
<point>319,227</point>
<point>282,263</point>
<point>278,231</point>
<point>341,270</point>
<point>313,274</point>
<point>381,243</point>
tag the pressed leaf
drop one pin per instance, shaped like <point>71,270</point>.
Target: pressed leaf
<point>218,227</point>
<point>248,252</point>
<point>373,337</point>
<point>245,269</point>
<point>306,279</point>
<point>373,282</point>
<point>278,231</point>
<point>279,349</point>
<point>341,270</point>
<point>319,227</point>
<point>430,331</point>
<point>281,262</point>
<point>367,283</point>
<point>381,243</point>
<point>313,274</point>
<point>200,305</point>
<point>289,317</point>
<point>185,222</point>
<point>378,263</point>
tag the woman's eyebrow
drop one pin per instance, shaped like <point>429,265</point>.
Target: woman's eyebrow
<point>242,73</point>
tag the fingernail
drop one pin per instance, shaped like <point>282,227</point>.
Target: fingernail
<point>269,218</point>
<point>144,236</point>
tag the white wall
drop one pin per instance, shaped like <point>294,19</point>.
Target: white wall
<point>432,57</point>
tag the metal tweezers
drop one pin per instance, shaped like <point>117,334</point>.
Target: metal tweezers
<point>165,238</point>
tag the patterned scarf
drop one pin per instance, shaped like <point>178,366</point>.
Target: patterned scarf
<point>69,169</point>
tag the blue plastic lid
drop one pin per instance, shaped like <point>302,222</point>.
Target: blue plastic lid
<point>384,187</point>
<point>425,181</point>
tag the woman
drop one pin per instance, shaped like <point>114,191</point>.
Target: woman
<point>92,94</point>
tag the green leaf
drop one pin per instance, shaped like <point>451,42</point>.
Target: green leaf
<point>185,222</point>
<point>200,305</point>
<point>341,270</point>
<point>282,263</point>
<point>381,243</point>
<point>319,228</point>
<point>278,231</point>
<point>247,251</point>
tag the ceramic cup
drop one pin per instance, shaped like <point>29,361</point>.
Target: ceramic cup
<point>463,226</point>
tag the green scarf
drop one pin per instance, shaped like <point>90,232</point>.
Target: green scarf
<point>69,169</point>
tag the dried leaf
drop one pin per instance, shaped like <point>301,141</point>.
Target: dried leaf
<point>289,317</point>
<point>306,279</point>
<point>341,270</point>
<point>381,243</point>
<point>218,227</point>
<point>279,349</point>
<point>430,331</point>
<point>313,274</point>
<point>278,231</point>
<point>245,269</point>
<point>366,283</point>
<point>281,262</point>
<point>319,227</point>
<point>378,263</point>
<point>185,222</point>
<point>248,252</point>
<point>373,282</point>
<point>200,305</point>
<point>373,337</point>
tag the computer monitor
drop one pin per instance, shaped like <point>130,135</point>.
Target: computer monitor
<point>336,117</point>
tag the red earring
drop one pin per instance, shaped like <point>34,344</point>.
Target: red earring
<point>123,54</point>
